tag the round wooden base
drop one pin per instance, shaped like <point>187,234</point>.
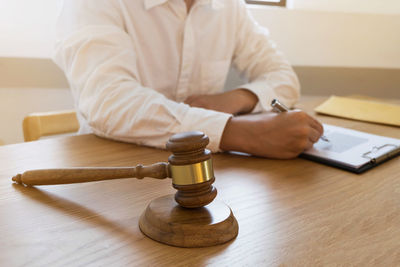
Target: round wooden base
<point>167,222</point>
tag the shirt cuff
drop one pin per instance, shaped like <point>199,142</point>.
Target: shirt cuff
<point>210,122</point>
<point>264,93</point>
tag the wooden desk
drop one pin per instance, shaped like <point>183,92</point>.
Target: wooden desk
<point>290,212</point>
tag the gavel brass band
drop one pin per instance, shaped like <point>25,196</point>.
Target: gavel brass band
<point>193,173</point>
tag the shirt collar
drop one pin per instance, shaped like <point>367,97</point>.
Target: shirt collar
<point>215,4</point>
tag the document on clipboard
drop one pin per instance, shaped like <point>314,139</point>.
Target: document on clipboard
<point>352,150</point>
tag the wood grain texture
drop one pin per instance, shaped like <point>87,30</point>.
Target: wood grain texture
<point>290,212</point>
<point>167,222</point>
<point>195,195</point>
<point>90,174</point>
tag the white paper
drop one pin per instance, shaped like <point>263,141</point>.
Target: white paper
<point>350,147</point>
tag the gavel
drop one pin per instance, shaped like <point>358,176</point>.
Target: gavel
<point>189,166</point>
<point>197,220</point>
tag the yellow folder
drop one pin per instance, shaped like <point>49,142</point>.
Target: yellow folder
<point>360,109</point>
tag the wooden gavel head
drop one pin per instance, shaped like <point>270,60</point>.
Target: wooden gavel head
<point>191,169</point>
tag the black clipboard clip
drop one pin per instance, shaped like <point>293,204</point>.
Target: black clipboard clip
<point>376,157</point>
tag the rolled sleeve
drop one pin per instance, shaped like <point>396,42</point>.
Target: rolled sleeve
<point>210,122</point>
<point>270,75</point>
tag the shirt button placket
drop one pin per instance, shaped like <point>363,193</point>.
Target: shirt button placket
<point>187,61</point>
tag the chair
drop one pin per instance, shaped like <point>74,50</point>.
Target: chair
<point>36,125</point>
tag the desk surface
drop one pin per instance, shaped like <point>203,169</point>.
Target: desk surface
<point>290,212</point>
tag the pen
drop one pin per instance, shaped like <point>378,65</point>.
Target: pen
<point>279,107</point>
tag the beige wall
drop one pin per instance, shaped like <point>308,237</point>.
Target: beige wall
<point>27,27</point>
<point>16,103</point>
<point>376,82</point>
<point>352,6</point>
<point>321,38</point>
<point>325,81</point>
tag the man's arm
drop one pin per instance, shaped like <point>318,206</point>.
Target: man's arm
<point>100,62</point>
<point>270,75</point>
<point>238,101</point>
<point>273,135</point>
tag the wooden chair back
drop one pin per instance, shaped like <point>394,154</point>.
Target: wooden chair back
<point>36,125</point>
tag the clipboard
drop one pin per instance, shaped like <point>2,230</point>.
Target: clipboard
<point>352,150</point>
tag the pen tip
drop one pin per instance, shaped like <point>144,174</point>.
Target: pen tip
<point>325,139</point>
<point>17,178</point>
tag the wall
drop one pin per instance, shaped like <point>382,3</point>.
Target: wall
<point>27,27</point>
<point>17,102</point>
<point>355,51</point>
<point>321,38</point>
<point>338,52</point>
<point>351,6</point>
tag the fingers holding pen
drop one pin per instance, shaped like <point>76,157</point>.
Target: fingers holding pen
<point>317,126</point>
<point>313,128</point>
<point>279,107</point>
<point>314,135</point>
<point>305,129</point>
<point>284,134</point>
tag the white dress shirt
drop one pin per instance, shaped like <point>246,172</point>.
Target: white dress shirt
<point>132,63</point>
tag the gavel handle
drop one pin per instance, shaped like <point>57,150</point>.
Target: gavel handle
<point>89,174</point>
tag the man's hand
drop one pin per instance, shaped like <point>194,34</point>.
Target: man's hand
<point>274,135</point>
<point>239,101</point>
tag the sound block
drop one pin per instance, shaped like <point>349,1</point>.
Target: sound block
<point>167,222</point>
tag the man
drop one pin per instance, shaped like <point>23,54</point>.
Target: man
<point>142,70</point>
